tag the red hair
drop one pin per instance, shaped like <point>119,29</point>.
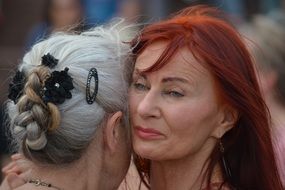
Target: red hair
<point>217,45</point>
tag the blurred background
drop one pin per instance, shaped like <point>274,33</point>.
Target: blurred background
<point>24,22</point>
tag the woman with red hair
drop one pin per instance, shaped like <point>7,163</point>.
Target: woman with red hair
<point>197,114</point>
<point>198,118</point>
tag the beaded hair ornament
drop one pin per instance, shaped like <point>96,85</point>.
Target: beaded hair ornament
<point>90,98</point>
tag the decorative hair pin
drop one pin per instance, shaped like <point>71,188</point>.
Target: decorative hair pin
<point>90,98</point>
<point>49,61</point>
<point>16,86</point>
<point>57,87</point>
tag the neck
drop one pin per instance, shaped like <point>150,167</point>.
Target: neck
<point>87,173</point>
<point>186,173</point>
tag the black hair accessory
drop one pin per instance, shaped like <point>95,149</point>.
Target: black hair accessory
<point>16,86</point>
<point>57,87</point>
<point>90,98</point>
<point>225,165</point>
<point>49,61</point>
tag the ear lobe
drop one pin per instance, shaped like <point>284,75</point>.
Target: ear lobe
<point>227,122</point>
<point>112,131</point>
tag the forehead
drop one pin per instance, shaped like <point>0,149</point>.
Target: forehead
<point>181,62</point>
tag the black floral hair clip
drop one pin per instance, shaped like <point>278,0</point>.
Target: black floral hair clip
<point>57,87</point>
<point>16,86</point>
<point>49,61</point>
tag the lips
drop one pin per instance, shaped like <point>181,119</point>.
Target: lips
<point>148,133</point>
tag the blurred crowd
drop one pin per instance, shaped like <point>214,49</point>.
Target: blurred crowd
<point>262,22</point>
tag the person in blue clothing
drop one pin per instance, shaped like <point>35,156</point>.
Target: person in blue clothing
<point>100,11</point>
<point>59,15</point>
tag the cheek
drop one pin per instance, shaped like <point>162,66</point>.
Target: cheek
<point>191,115</point>
<point>191,126</point>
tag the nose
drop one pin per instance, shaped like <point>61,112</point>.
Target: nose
<point>149,106</point>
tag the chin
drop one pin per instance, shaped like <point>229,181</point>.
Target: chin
<point>144,151</point>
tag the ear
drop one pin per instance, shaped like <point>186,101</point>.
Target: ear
<point>112,131</point>
<point>227,120</point>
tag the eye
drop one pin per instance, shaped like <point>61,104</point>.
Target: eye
<point>140,86</point>
<point>173,93</point>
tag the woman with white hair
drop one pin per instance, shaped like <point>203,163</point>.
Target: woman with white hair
<point>67,111</point>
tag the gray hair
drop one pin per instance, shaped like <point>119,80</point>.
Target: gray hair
<point>101,48</point>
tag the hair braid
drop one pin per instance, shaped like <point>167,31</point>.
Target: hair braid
<point>35,117</point>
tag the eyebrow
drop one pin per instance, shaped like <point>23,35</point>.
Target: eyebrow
<point>174,79</point>
<point>138,73</point>
<point>164,80</point>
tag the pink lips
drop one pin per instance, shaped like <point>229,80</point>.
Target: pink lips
<point>147,133</point>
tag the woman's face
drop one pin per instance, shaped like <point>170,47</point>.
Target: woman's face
<point>174,111</point>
